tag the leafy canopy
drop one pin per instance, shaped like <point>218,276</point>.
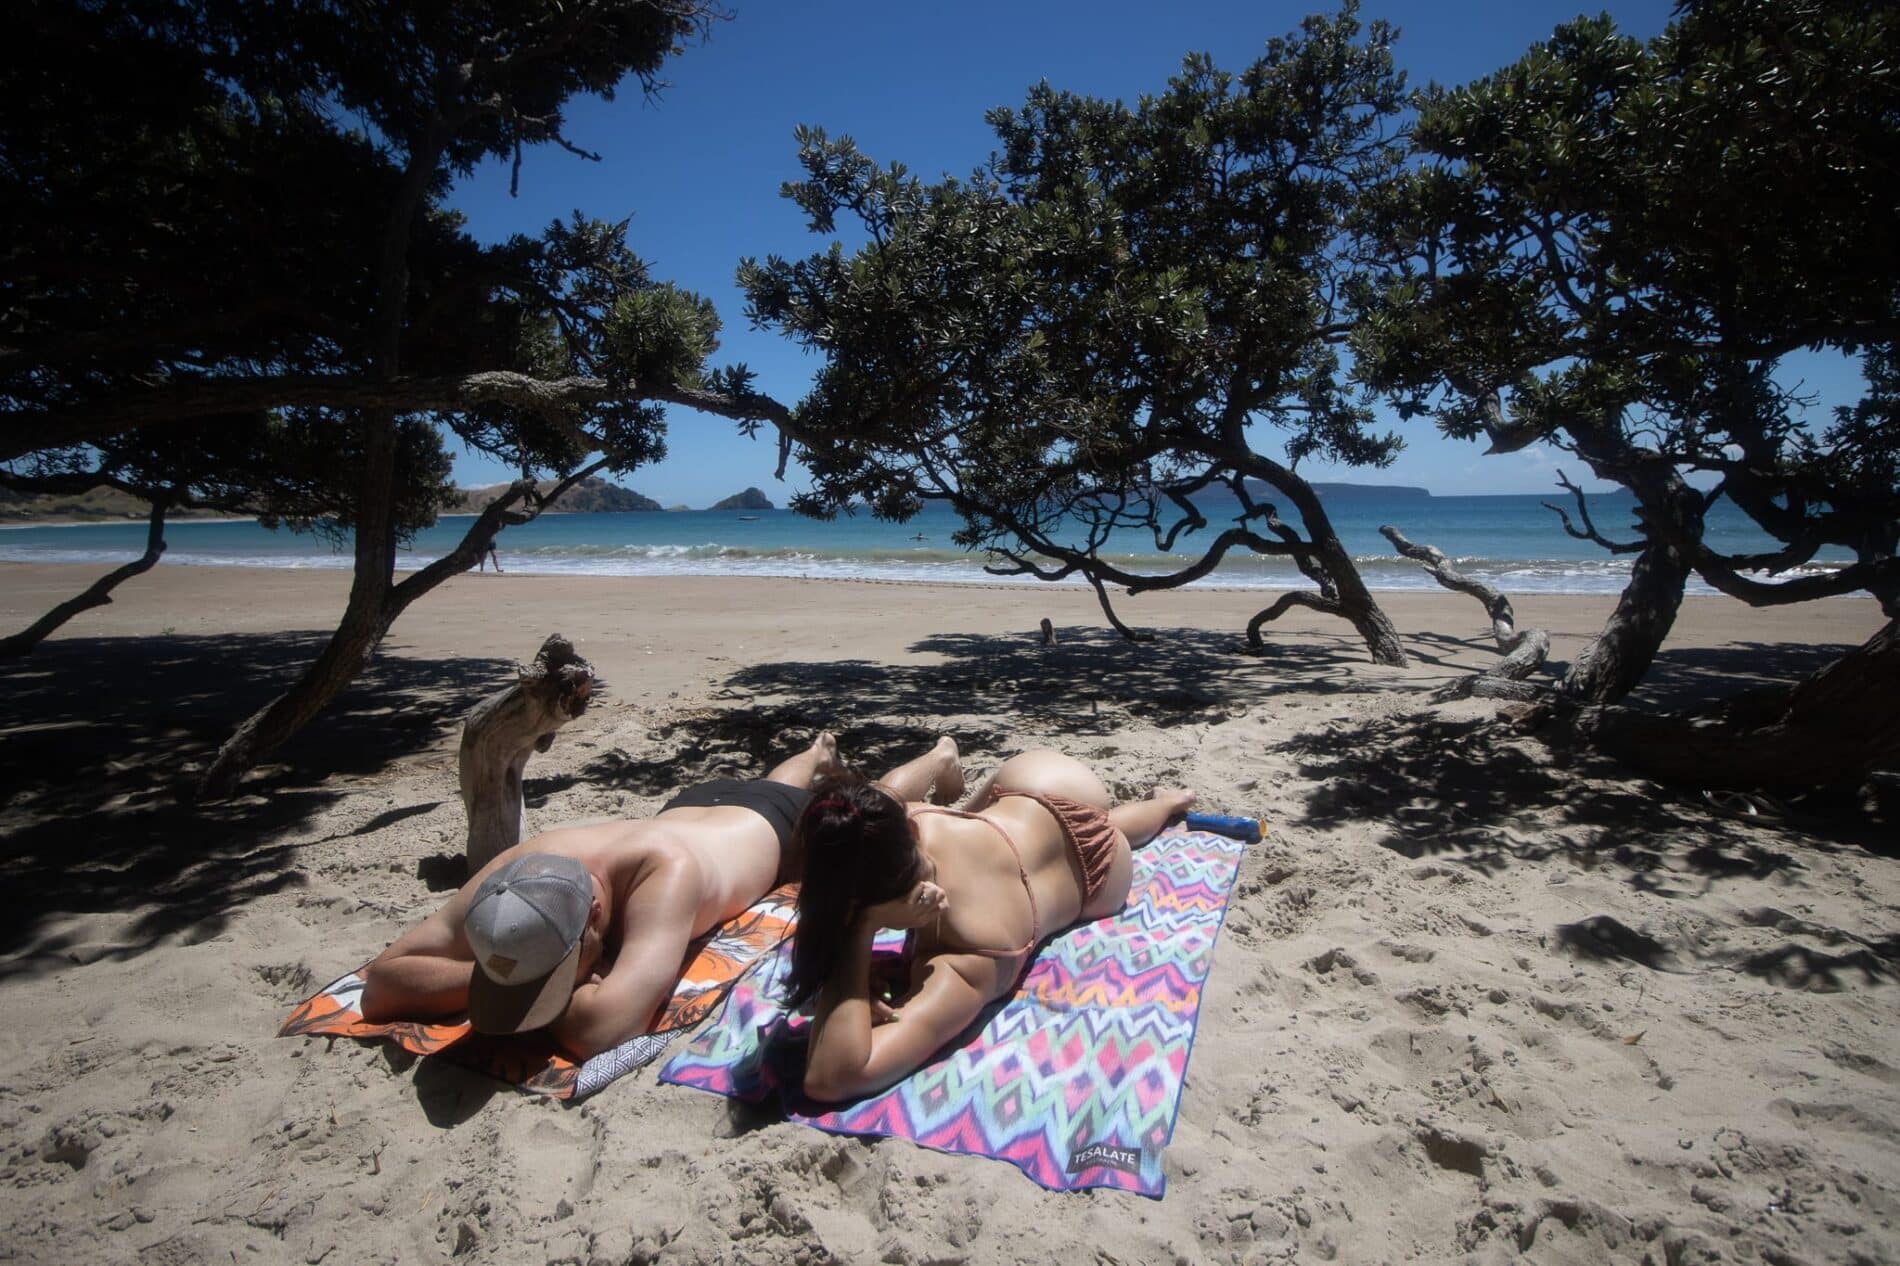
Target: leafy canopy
<point>200,195</point>
<point>1612,246</point>
<point>1112,309</point>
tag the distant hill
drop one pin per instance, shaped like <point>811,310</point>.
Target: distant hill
<point>99,505</point>
<point>750,499</point>
<point>592,495</point>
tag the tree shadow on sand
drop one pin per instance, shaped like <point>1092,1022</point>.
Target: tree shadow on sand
<point>1089,685</point>
<point>1476,793</point>
<point>97,736</point>
<point>1436,785</point>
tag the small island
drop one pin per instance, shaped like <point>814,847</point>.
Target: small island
<point>750,499</point>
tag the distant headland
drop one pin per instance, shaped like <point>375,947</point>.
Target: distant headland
<point>1344,492</point>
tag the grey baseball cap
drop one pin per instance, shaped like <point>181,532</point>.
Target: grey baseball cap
<point>525,925</point>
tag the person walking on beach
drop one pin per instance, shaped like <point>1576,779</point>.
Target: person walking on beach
<point>489,557</point>
<point>1038,850</point>
<point>581,931</point>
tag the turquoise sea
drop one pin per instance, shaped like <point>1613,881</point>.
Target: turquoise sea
<point>1509,540</point>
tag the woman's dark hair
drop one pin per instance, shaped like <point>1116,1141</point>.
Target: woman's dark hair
<point>854,838</point>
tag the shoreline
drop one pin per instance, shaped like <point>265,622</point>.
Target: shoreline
<point>1425,586</point>
<point>1838,613</point>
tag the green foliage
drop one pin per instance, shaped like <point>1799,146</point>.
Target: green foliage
<point>202,192</point>
<point>1613,245</point>
<point>1119,304</point>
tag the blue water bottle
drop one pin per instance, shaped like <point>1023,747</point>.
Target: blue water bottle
<point>1228,824</point>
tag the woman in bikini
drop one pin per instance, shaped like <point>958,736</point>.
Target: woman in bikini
<point>1037,851</point>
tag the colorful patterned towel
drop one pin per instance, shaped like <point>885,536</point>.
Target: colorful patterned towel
<point>531,1060</point>
<point>1075,1078</point>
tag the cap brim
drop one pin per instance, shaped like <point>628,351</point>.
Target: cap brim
<point>529,1004</point>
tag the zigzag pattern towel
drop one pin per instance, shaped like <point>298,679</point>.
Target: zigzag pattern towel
<point>531,1061</point>
<point>1075,1078</point>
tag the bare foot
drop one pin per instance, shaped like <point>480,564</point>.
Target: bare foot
<point>825,747</point>
<point>948,786</point>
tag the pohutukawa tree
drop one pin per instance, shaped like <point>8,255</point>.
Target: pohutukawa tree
<point>292,470</point>
<point>1610,247</point>
<point>226,210</point>
<point>1129,306</point>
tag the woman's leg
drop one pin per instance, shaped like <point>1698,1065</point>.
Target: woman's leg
<point>1142,820</point>
<point>803,769</point>
<point>939,770</point>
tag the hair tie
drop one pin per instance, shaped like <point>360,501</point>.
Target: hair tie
<point>837,804</point>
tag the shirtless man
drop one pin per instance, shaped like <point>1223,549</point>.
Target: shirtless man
<point>583,930</point>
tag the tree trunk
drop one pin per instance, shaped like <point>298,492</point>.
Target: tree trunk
<point>1348,597</point>
<point>503,731</point>
<point>348,651</point>
<point>367,615</point>
<point>1356,604</point>
<point>359,632</point>
<point>1612,665</point>
<point>99,594</point>
<point>1671,513</point>
<point>1835,727</point>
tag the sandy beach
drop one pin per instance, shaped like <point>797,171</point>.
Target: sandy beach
<point>1476,998</point>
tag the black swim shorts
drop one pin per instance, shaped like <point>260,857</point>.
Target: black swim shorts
<point>774,801</point>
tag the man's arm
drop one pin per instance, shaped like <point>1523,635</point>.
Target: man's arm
<point>656,925</point>
<point>423,976</point>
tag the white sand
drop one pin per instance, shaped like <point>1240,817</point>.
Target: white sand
<point>1475,998</point>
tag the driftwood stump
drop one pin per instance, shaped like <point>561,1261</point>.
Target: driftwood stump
<point>503,731</point>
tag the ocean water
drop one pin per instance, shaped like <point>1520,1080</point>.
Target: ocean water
<point>1511,541</point>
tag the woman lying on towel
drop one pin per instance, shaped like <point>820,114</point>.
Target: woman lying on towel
<point>978,891</point>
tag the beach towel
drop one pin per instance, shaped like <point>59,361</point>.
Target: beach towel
<point>1075,1078</point>
<point>531,1060</point>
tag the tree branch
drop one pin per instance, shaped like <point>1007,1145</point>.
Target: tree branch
<point>1285,603</point>
<point>98,594</point>
<point>34,430</point>
<point>1589,530</point>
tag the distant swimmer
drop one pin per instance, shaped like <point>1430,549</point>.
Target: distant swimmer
<point>920,537</point>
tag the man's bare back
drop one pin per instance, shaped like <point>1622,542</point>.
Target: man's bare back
<point>657,883</point>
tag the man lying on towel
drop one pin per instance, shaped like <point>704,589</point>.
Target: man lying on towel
<point>582,931</point>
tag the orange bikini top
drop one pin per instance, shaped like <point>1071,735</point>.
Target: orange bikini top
<point>1035,915</point>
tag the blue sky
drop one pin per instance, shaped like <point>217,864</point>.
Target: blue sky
<point>699,167</point>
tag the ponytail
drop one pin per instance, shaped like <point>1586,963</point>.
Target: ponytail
<point>854,839</point>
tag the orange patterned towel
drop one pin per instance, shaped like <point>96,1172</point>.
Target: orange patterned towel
<point>531,1060</point>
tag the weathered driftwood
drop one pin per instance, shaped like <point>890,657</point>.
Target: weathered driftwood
<point>503,731</point>
<point>1523,650</point>
<point>1506,678</point>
